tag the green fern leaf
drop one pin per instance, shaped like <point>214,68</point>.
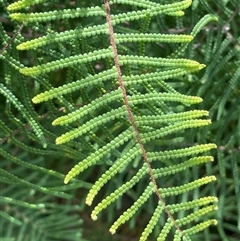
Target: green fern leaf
<point>133,99</point>
<point>33,123</point>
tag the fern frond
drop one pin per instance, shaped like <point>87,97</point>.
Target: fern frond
<point>157,119</point>
<point>33,123</point>
<point>161,62</point>
<point>79,84</point>
<point>93,123</point>
<point>55,37</point>
<point>173,9</point>
<point>152,223</point>
<point>184,99</point>
<point>96,156</point>
<point>177,153</point>
<point>123,104</point>
<point>76,115</point>
<point>23,4</point>
<point>113,170</point>
<point>231,87</point>
<point>11,219</point>
<point>149,190</point>
<point>70,61</point>
<point>57,14</point>
<point>199,227</point>
<point>7,177</point>
<point>155,77</point>
<point>161,132</point>
<point>147,37</point>
<point>21,203</point>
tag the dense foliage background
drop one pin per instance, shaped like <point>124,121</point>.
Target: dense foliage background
<point>36,205</point>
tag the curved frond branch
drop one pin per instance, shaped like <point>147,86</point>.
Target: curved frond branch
<point>7,176</point>
<point>192,204</point>
<point>115,168</point>
<point>154,37</point>
<point>171,170</point>
<point>54,37</point>
<point>173,9</point>
<point>178,126</point>
<point>97,155</point>
<point>23,4</point>
<point>153,222</point>
<point>157,76</point>
<point>95,104</point>
<point>120,191</point>
<point>158,119</point>
<point>178,153</point>
<point>58,14</point>
<point>130,211</point>
<point>95,122</point>
<point>173,97</point>
<point>172,191</point>
<point>74,86</point>
<point>161,62</point>
<point>66,62</point>
<point>21,108</point>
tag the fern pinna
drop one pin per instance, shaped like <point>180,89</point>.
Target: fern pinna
<point>124,107</point>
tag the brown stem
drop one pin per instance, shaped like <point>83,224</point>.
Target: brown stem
<point>12,39</point>
<point>130,114</point>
